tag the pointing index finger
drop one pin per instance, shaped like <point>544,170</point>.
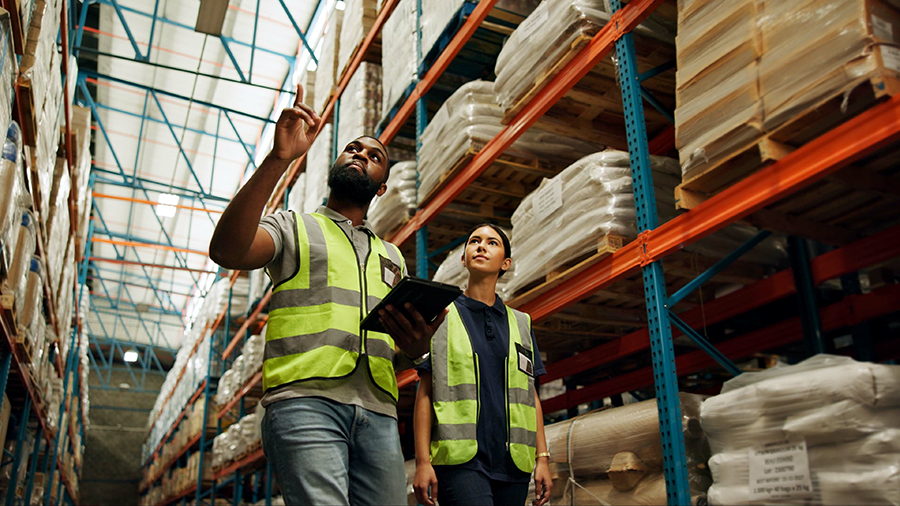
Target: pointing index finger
<point>298,98</point>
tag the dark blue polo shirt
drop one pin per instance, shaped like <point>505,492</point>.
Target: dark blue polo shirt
<point>489,328</point>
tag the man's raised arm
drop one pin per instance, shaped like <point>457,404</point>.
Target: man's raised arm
<point>238,241</point>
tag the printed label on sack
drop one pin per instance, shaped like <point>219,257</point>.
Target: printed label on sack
<point>882,29</point>
<point>547,200</point>
<point>891,57</point>
<point>780,470</point>
<point>534,21</point>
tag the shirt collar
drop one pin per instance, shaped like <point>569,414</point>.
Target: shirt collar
<point>474,305</point>
<point>336,216</point>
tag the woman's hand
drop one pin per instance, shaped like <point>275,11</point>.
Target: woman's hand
<point>426,479</point>
<point>542,481</point>
<point>292,138</point>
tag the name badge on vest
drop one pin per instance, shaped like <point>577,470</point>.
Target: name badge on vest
<point>390,272</point>
<point>525,363</point>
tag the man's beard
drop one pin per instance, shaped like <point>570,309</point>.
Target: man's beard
<point>347,183</point>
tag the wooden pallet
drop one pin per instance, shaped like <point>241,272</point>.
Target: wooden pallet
<point>705,181</point>
<point>250,449</point>
<point>606,245</point>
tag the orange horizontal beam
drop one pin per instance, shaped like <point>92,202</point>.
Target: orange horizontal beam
<point>135,244</point>
<point>386,9</point>
<point>154,266</point>
<point>853,310</point>
<point>151,203</point>
<point>863,253</point>
<point>479,14</point>
<point>871,130</point>
<point>621,22</point>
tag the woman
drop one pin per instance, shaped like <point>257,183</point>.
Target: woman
<point>478,424</point>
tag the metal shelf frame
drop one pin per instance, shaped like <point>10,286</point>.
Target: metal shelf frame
<point>852,140</point>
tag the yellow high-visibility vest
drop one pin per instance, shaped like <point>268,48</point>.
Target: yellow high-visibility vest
<point>455,380</point>
<point>313,331</point>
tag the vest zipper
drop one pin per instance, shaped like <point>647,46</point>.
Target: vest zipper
<point>506,393</point>
<point>362,289</point>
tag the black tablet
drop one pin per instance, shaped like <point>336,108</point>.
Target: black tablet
<point>428,297</point>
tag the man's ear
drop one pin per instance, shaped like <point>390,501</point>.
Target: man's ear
<point>381,190</point>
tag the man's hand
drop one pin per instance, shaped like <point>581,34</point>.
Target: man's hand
<point>425,479</point>
<point>542,482</point>
<point>413,337</point>
<point>292,138</point>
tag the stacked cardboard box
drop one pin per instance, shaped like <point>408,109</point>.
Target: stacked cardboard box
<point>360,108</point>
<point>327,68</point>
<point>359,16</point>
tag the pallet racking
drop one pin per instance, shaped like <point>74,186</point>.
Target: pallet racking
<point>639,262</point>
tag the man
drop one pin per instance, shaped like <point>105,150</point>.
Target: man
<point>330,429</point>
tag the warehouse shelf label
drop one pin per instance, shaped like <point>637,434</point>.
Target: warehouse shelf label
<point>780,471</point>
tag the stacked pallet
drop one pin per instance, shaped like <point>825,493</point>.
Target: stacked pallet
<point>392,210</point>
<point>825,431</point>
<point>615,456</point>
<point>360,107</point>
<point>327,68</point>
<point>359,16</point>
<point>749,68</point>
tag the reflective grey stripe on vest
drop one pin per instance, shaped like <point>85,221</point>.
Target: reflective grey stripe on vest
<point>302,297</point>
<point>521,436</point>
<point>458,432</point>
<point>371,301</point>
<point>520,396</point>
<point>301,344</point>
<point>318,254</point>
<point>379,348</point>
<point>393,254</point>
<point>440,378</point>
<point>524,331</point>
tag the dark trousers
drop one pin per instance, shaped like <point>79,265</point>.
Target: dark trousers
<point>465,487</point>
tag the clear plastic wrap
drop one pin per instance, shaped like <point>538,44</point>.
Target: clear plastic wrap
<point>318,162</point>
<point>469,119</point>
<point>21,258</point>
<point>391,211</point>
<point>846,412</point>
<point>359,16</point>
<point>746,67</point>
<point>8,70</point>
<point>13,194</point>
<point>327,71</point>
<point>595,199</point>
<point>589,448</point>
<point>545,37</point>
<point>253,356</point>
<point>34,295</point>
<point>360,109</point>
<point>398,60</point>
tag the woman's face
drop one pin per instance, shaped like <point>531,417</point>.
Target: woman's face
<point>484,253</point>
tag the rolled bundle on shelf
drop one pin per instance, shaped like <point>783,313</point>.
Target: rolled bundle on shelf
<point>26,242</point>
<point>616,454</point>
<point>34,295</point>
<point>359,16</point>
<point>744,69</point>
<point>326,70</point>
<point>13,195</point>
<point>391,211</point>
<point>469,119</point>
<point>841,416</point>
<point>253,356</point>
<point>58,222</point>
<point>545,39</point>
<point>318,163</point>
<point>585,208</point>
<point>360,108</point>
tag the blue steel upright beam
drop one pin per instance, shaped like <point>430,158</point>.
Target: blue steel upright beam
<point>658,323</point>
<point>17,456</point>
<point>813,338</point>
<point>33,464</point>
<point>4,372</point>
<point>421,123</point>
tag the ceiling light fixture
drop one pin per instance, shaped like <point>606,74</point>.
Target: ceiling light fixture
<point>131,356</point>
<point>340,5</point>
<point>166,207</point>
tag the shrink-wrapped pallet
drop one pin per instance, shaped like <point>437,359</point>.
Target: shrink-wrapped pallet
<point>567,216</point>
<point>746,67</point>
<point>616,455</point>
<point>359,16</point>
<point>398,60</point>
<point>546,36</point>
<point>469,119</point>
<point>360,108</point>
<point>326,70</point>
<point>8,70</point>
<point>841,417</point>
<point>34,295</point>
<point>26,243</point>
<point>318,163</point>
<point>391,211</point>
<point>253,356</point>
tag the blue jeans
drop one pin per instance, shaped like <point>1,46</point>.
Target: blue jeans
<point>324,452</point>
<point>468,487</point>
